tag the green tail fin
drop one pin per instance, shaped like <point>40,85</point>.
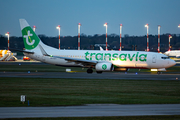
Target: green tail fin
<point>31,40</point>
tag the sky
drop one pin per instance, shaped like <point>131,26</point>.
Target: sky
<point>92,14</point>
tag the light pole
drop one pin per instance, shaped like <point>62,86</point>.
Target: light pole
<point>159,38</point>
<point>79,25</point>
<point>106,35</point>
<point>120,36</point>
<point>7,34</point>
<point>169,42</point>
<point>34,28</point>
<point>59,28</point>
<point>147,26</point>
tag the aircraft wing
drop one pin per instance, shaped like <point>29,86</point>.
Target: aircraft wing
<point>78,61</point>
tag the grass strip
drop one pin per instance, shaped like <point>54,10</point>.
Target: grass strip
<point>63,92</point>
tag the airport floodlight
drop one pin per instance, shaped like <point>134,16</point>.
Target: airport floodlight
<point>79,25</point>
<point>159,38</point>
<point>7,34</point>
<point>147,26</point>
<point>169,42</point>
<point>59,28</point>
<point>120,36</point>
<point>105,24</point>
<point>34,28</point>
<point>170,36</point>
<point>106,35</point>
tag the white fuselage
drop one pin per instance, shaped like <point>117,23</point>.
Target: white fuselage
<point>127,59</point>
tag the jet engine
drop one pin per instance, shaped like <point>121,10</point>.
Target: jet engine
<point>104,67</point>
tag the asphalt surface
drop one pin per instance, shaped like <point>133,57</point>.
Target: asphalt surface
<point>90,111</point>
<point>104,75</point>
<point>84,75</point>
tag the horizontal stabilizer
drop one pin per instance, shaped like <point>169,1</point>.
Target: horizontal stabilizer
<point>12,49</point>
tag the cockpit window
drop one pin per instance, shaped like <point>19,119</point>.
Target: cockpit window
<point>164,57</point>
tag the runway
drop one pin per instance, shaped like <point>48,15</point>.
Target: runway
<point>84,75</point>
<point>90,110</point>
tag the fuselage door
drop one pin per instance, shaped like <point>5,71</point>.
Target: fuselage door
<point>154,59</point>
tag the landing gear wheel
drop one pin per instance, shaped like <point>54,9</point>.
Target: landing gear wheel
<point>159,72</point>
<point>98,72</point>
<point>89,70</point>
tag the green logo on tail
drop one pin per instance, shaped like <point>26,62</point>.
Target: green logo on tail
<point>30,38</point>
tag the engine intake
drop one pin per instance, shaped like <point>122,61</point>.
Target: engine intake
<point>104,67</point>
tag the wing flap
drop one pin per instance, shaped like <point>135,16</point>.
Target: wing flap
<point>75,60</point>
<point>78,61</point>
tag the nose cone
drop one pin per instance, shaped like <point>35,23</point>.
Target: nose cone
<point>172,63</point>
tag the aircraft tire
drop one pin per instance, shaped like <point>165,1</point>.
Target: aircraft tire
<point>89,70</point>
<point>98,72</point>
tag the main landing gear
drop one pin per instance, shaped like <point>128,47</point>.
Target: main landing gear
<point>98,72</point>
<point>89,70</point>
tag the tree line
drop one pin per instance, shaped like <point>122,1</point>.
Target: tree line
<point>88,42</point>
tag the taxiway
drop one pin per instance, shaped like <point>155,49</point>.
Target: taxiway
<point>84,75</point>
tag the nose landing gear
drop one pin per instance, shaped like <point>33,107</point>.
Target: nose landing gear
<point>158,72</point>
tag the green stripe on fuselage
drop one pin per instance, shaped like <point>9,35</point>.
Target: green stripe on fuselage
<point>115,56</point>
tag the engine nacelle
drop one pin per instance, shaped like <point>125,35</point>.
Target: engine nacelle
<point>104,67</point>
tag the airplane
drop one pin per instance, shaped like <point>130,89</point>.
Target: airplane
<point>101,61</point>
<point>6,55</point>
<point>173,53</point>
<point>3,52</point>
